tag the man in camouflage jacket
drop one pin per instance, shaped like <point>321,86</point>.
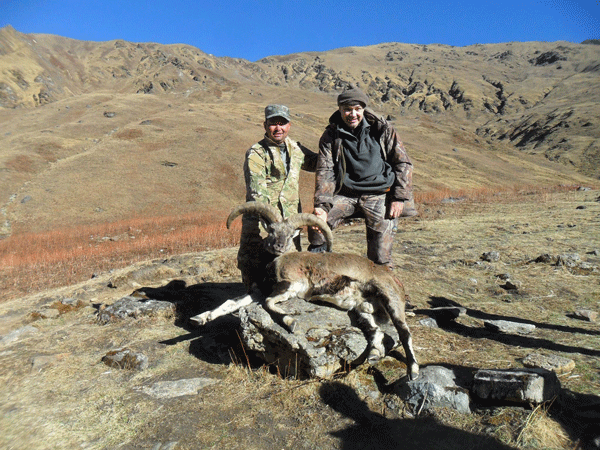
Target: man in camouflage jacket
<point>272,171</point>
<point>363,169</point>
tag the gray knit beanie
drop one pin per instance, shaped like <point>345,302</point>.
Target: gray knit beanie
<point>352,95</point>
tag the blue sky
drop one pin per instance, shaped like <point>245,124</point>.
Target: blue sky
<point>253,29</point>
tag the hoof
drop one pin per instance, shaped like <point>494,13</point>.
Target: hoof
<point>201,319</point>
<point>412,372</point>
<point>290,323</point>
<point>374,356</point>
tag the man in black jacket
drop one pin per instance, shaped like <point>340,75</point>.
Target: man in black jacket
<point>363,169</point>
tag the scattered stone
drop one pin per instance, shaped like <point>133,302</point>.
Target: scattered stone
<point>453,199</point>
<point>503,276</point>
<point>445,314</point>
<point>177,388</point>
<point>546,258</point>
<point>505,326</point>
<point>435,387</point>
<point>26,199</point>
<point>586,314</point>
<point>519,385</point>
<point>172,445</point>
<point>125,358</point>
<point>555,363</point>
<point>429,322</point>
<point>17,334</point>
<point>130,306</point>
<point>568,260</point>
<point>490,256</point>
<point>109,114</point>
<point>509,286</point>
<point>581,207</point>
<point>594,253</point>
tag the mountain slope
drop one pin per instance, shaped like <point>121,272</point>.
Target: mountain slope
<point>102,131</point>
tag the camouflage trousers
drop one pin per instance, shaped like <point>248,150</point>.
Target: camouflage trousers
<point>380,230</point>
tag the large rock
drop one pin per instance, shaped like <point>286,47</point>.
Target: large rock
<point>435,387</point>
<point>324,341</point>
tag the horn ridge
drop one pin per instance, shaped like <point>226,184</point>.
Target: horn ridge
<point>265,211</point>
<point>306,219</point>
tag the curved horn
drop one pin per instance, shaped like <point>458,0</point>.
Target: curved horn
<point>263,210</point>
<point>310,220</point>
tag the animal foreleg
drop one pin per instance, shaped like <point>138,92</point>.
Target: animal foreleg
<point>228,307</point>
<point>271,305</point>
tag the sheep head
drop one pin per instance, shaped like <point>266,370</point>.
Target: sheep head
<point>281,233</point>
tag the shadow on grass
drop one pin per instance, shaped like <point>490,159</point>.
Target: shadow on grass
<point>578,413</point>
<point>374,431</point>
<point>218,341</point>
<point>511,339</point>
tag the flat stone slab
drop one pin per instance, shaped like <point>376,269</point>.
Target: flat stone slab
<point>135,307</point>
<point>176,388</point>
<point>555,363</point>
<point>505,326</point>
<point>518,385</point>
<point>434,387</point>
<point>17,334</point>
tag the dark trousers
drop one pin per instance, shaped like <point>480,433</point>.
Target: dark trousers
<point>380,230</point>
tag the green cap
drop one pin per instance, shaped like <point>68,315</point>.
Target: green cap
<point>277,111</point>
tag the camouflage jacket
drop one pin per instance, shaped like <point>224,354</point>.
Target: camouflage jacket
<point>266,178</point>
<point>331,167</point>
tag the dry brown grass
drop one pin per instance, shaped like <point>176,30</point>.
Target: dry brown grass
<point>30,262</point>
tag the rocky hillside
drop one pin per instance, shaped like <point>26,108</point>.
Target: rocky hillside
<point>539,96</point>
<point>120,116</point>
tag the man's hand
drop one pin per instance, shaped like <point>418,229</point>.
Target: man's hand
<point>396,209</point>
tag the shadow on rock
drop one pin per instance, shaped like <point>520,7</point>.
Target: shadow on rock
<point>374,431</point>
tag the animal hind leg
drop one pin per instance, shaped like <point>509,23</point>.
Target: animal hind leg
<point>373,334</point>
<point>412,366</point>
